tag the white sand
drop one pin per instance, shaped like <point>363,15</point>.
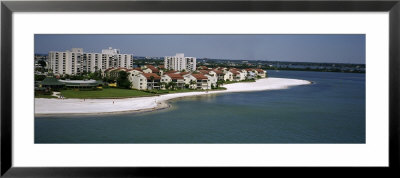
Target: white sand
<point>92,106</point>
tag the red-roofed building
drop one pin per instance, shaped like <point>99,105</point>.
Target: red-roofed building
<point>113,72</point>
<point>238,75</point>
<point>177,79</point>
<point>197,81</point>
<point>150,69</point>
<point>171,71</point>
<point>183,73</point>
<point>261,73</point>
<point>203,68</point>
<point>145,81</point>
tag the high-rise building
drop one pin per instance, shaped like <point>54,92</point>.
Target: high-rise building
<point>76,61</point>
<point>179,62</point>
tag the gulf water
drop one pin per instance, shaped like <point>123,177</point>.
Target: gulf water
<point>331,110</point>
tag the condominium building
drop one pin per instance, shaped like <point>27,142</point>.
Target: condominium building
<point>76,61</point>
<point>179,62</point>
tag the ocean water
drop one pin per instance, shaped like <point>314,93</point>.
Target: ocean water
<point>331,110</point>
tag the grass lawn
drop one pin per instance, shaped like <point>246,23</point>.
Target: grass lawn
<point>105,93</point>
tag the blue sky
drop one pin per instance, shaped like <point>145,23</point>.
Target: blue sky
<point>338,48</point>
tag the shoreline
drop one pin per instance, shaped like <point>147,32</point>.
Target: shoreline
<point>77,107</point>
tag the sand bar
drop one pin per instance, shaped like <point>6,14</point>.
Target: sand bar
<point>44,106</point>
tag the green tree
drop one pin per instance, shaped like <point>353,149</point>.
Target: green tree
<point>123,81</point>
<point>42,63</point>
<point>219,83</point>
<point>39,77</point>
<point>192,82</point>
<point>173,85</point>
<point>152,82</point>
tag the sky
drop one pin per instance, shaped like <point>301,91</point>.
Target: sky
<point>327,48</point>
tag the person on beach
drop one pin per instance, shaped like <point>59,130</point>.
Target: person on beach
<point>113,102</point>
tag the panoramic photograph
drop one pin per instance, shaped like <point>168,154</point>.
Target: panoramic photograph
<point>199,88</point>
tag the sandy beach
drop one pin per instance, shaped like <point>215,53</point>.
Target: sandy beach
<point>45,106</point>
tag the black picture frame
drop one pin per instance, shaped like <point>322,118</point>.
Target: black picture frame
<point>8,7</point>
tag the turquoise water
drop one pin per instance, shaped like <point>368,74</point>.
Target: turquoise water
<point>331,110</point>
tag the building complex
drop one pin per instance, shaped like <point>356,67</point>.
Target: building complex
<point>179,62</point>
<point>76,61</point>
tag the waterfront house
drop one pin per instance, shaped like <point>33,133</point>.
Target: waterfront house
<point>177,79</point>
<point>238,75</point>
<point>228,76</point>
<point>261,73</point>
<point>251,75</point>
<point>212,81</point>
<point>201,81</point>
<point>133,72</point>
<point>220,75</point>
<point>146,81</point>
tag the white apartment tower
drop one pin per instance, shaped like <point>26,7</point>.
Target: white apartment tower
<point>179,62</point>
<point>76,62</point>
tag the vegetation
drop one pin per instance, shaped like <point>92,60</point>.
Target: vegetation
<point>39,77</point>
<point>105,93</point>
<point>123,81</point>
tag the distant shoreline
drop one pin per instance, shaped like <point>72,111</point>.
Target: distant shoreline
<point>77,107</point>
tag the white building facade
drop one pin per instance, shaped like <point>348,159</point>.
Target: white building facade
<point>76,61</point>
<point>179,62</point>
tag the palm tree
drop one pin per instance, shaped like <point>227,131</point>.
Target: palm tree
<point>192,82</point>
<point>152,82</point>
<point>163,85</point>
<point>173,85</point>
<point>220,82</point>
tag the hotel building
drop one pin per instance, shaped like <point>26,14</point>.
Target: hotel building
<point>179,62</point>
<point>76,61</point>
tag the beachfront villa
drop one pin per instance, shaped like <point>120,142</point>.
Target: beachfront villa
<point>238,75</point>
<point>261,73</point>
<point>197,81</point>
<point>175,78</point>
<point>228,75</point>
<point>145,81</point>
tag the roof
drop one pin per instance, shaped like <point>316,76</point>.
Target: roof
<point>138,69</point>
<point>148,75</point>
<point>234,71</point>
<point>171,71</point>
<point>109,69</point>
<point>51,81</point>
<point>218,72</point>
<point>260,70</point>
<point>81,82</point>
<point>152,68</point>
<point>183,73</point>
<point>199,76</point>
<point>204,71</point>
<point>175,76</point>
<point>203,67</point>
